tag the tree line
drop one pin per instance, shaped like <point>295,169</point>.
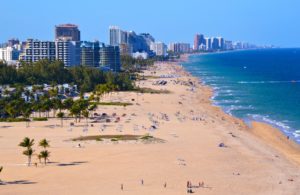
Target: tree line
<point>14,108</point>
<point>54,72</point>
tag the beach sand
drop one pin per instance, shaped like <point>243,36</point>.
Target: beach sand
<point>257,160</point>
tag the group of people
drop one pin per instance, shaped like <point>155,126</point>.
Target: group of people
<point>190,186</point>
<point>142,183</point>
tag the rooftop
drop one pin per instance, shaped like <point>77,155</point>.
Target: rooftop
<point>67,25</point>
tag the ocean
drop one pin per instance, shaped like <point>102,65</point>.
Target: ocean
<point>261,85</point>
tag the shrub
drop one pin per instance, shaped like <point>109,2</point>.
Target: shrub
<point>98,139</point>
<point>40,119</point>
<point>114,140</point>
<point>11,120</point>
<point>146,137</point>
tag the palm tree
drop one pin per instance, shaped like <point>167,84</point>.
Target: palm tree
<point>53,92</point>
<point>75,111</point>
<point>44,143</point>
<point>46,106</point>
<point>40,158</point>
<point>56,105</point>
<point>68,103</point>
<point>61,116</point>
<point>86,113</point>
<point>27,143</point>
<point>45,155</point>
<point>92,107</point>
<point>26,112</point>
<point>28,152</point>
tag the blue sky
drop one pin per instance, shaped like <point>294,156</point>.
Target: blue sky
<point>257,21</point>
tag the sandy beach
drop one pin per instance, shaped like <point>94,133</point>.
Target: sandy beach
<point>199,143</point>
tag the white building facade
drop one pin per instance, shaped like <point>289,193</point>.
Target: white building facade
<point>9,54</point>
<point>159,48</point>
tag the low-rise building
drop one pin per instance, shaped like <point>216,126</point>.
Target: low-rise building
<point>141,55</point>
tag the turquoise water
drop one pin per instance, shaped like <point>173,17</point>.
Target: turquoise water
<point>261,85</point>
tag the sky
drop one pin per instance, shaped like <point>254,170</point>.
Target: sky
<point>260,22</point>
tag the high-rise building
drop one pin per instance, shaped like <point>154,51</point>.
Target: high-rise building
<point>208,43</point>
<point>68,52</point>
<point>131,40</point>
<point>198,41</point>
<point>214,43</point>
<point>13,42</point>
<point>159,48</point>
<point>148,38</point>
<point>110,57</point>
<point>139,43</point>
<point>238,45</point>
<point>221,43</point>
<point>180,47</point>
<point>36,50</point>
<point>90,53</point>
<point>228,45</point>
<point>9,54</point>
<point>67,32</point>
<point>117,36</point>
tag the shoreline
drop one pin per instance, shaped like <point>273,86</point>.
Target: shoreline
<point>272,135</point>
<point>192,141</point>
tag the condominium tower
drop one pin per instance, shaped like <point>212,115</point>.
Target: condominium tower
<point>67,32</point>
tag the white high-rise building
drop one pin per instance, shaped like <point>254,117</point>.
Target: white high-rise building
<point>159,48</point>
<point>208,43</point>
<point>36,50</point>
<point>117,36</point>
<point>66,51</point>
<point>221,43</point>
<point>9,54</point>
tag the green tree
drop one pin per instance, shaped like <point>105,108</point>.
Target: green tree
<point>26,111</point>
<point>44,143</point>
<point>86,114</point>
<point>92,107</point>
<point>27,143</point>
<point>56,105</point>
<point>68,103</point>
<point>45,154</point>
<point>75,111</point>
<point>61,116</point>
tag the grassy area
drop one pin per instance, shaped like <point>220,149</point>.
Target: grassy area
<point>152,91</point>
<point>114,104</point>
<point>146,137</point>
<point>111,137</point>
<point>115,138</point>
<point>11,120</point>
<point>40,119</point>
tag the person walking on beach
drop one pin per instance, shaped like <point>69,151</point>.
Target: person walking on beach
<point>122,187</point>
<point>165,185</point>
<point>142,182</point>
